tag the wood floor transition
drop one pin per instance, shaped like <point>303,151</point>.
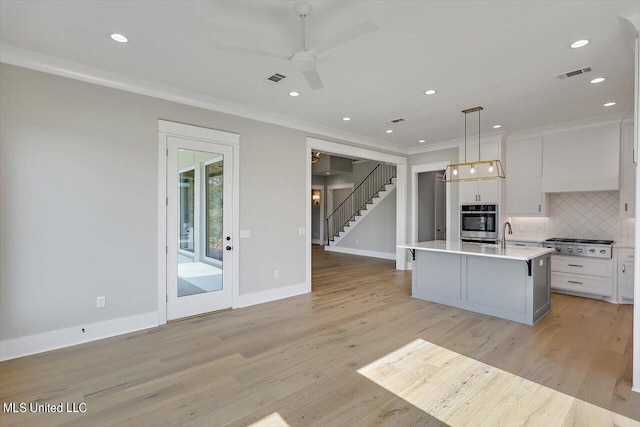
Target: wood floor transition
<point>358,350</point>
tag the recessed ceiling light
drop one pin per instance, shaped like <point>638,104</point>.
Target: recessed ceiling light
<point>609,104</point>
<point>430,92</point>
<point>421,140</point>
<point>597,80</point>
<point>497,126</point>
<point>579,43</point>
<point>294,93</point>
<point>346,119</point>
<point>389,131</point>
<point>119,38</point>
<point>327,173</point>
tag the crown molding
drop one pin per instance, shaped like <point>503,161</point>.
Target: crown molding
<point>632,15</point>
<point>456,143</point>
<point>561,127</point>
<point>73,70</point>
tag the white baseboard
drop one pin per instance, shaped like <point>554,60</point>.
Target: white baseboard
<point>316,241</point>
<point>271,295</point>
<point>361,252</point>
<point>38,343</point>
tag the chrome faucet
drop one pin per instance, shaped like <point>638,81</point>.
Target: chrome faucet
<point>503,241</point>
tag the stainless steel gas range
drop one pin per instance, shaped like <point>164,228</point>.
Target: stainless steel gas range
<point>581,247</point>
<point>582,267</point>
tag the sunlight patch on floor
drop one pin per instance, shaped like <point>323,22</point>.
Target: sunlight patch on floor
<point>272,420</point>
<point>459,390</point>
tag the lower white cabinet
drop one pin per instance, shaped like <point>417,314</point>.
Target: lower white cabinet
<point>582,275</point>
<point>625,275</point>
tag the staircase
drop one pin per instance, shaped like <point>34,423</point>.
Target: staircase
<point>371,191</point>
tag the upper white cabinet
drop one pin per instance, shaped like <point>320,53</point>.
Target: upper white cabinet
<point>627,172</point>
<point>523,176</point>
<point>480,192</point>
<point>582,159</point>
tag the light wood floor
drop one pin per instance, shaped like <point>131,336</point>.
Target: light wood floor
<point>356,351</point>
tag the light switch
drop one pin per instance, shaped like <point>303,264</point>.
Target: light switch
<point>244,234</point>
<point>301,231</point>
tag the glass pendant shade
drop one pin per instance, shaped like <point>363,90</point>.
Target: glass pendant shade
<point>479,170</point>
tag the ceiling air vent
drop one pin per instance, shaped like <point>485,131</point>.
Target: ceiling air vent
<point>574,73</point>
<point>276,78</point>
<point>394,121</point>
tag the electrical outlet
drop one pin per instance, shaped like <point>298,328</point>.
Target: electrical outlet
<point>101,302</point>
<point>301,231</point>
<point>357,242</point>
<point>276,274</point>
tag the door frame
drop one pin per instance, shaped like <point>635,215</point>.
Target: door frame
<point>418,169</point>
<point>196,133</point>
<point>331,147</point>
<point>323,202</point>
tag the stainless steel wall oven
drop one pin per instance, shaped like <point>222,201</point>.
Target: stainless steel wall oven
<point>479,223</point>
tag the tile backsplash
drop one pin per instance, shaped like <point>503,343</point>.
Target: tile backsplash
<point>588,215</point>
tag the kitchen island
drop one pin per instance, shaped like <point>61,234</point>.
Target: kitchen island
<point>511,283</point>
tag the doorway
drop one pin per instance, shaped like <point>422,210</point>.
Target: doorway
<point>317,214</point>
<point>431,201</point>
<point>432,206</point>
<point>199,220</point>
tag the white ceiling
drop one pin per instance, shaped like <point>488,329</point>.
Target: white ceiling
<point>503,55</point>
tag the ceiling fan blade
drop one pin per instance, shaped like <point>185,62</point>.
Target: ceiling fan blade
<point>253,51</point>
<point>313,78</point>
<point>344,37</point>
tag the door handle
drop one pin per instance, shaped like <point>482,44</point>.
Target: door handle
<point>228,248</point>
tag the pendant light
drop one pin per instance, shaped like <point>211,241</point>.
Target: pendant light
<point>479,170</point>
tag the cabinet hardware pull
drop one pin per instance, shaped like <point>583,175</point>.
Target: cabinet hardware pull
<point>577,283</point>
<point>623,268</point>
<point>575,265</point>
<point>539,208</point>
<point>520,244</point>
<point>625,207</point>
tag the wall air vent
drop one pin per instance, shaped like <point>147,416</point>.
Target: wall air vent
<point>574,73</point>
<point>276,78</point>
<point>394,121</point>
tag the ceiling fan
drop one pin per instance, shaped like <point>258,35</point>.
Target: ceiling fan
<point>305,59</point>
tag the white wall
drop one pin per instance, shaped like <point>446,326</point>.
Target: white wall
<point>377,231</point>
<point>78,184</point>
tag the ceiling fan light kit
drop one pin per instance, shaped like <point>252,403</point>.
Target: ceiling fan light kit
<point>479,170</point>
<point>305,60</point>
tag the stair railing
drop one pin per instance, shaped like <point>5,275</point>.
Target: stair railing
<point>357,201</point>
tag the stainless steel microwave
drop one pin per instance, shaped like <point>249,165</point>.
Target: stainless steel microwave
<point>479,223</point>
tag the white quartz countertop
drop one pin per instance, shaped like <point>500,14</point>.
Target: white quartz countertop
<point>475,249</point>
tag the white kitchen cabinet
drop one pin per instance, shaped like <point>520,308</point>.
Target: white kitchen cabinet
<point>590,276</point>
<point>582,159</point>
<point>625,275</point>
<point>627,172</point>
<point>523,180</point>
<point>480,192</point>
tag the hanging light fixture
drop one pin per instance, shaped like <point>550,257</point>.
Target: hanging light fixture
<point>479,170</point>
<point>315,157</point>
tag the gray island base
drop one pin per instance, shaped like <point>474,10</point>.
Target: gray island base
<point>511,283</point>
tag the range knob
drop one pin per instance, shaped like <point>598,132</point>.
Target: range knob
<point>558,249</point>
<point>603,252</point>
<point>579,250</point>
<point>569,250</point>
<point>592,251</point>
